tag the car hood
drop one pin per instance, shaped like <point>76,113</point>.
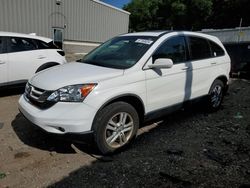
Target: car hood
<point>72,74</point>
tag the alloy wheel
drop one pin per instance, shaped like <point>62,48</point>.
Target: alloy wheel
<point>216,96</point>
<point>119,129</point>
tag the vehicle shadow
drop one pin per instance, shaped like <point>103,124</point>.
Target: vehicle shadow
<point>32,136</point>
<point>35,137</point>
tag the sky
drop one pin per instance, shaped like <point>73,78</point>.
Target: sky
<point>117,3</point>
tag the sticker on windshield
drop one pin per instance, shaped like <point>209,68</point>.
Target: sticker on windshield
<point>144,41</point>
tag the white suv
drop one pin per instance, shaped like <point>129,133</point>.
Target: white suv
<point>125,81</point>
<point>22,55</point>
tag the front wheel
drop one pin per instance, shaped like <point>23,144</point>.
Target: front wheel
<point>115,126</point>
<point>215,95</point>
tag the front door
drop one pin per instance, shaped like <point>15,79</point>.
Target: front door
<point>167,87</point>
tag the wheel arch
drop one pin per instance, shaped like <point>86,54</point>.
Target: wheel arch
<point>224,79</point>
<point>47,65</point>
<point>132,99</point>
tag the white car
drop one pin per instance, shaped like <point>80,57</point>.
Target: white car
<point>126,81</point>
<point>22,55</point>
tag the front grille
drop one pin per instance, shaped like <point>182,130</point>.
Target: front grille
<point>38,97</point>
<point>36,93</point>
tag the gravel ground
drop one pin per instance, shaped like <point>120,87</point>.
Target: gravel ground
<point>190,148</point>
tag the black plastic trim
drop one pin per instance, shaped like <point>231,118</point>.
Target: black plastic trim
<point>13,84</point>
<point>46,65</point>
<point>170,109</point>
<point>117,97</point>
<point>162,112</point>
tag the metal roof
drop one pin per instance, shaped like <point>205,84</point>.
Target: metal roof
<point>32,36</point>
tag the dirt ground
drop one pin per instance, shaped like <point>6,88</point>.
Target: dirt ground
<point>190,148</point>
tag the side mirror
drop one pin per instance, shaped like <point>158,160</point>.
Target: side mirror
<point>161,63</point>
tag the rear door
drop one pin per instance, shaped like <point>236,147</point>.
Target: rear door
<point>201,65</point>
<point>3,62</point>
<point>23,58</point>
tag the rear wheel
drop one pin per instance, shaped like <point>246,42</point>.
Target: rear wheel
<point>216,94</point>
<point>115,126</point>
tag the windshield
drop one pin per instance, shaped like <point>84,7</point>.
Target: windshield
<point>120,52</point>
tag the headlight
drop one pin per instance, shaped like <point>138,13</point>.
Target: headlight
<point>74,93</point>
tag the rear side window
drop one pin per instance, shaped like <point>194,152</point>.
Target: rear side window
<point>17,44</point>
<point>216,49</point>
<point>44,45</point>
<point>199,48</point>
<point>174,48</point>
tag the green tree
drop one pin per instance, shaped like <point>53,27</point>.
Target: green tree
<point>167,14</point>
<point>198,13</point>
<point>171,14</point>
<point>143,14</point>
<point>187,14</point>
<point>228,13</point>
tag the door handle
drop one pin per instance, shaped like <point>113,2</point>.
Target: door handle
<point>214,63</point>
<point>1,62</point>
<point>41,57</point>
<point>185,68</point>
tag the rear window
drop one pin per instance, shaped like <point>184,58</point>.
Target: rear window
<point>199,48</point>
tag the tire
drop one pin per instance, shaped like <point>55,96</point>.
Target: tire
<point>216,95</point>
<point>110,132</point>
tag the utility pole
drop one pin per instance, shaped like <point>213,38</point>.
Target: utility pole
<point>239,32</point>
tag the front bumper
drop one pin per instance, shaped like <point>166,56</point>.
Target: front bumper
<point>61,118</point>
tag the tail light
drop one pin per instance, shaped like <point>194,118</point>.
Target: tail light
<point>62,53</point>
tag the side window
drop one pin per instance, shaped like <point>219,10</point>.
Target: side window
<point>174,48</point>
<point>216,49</point>
<point>199,48</point>
<point>1,45</point>
<point>21,44</point>
<point>43,45</point>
